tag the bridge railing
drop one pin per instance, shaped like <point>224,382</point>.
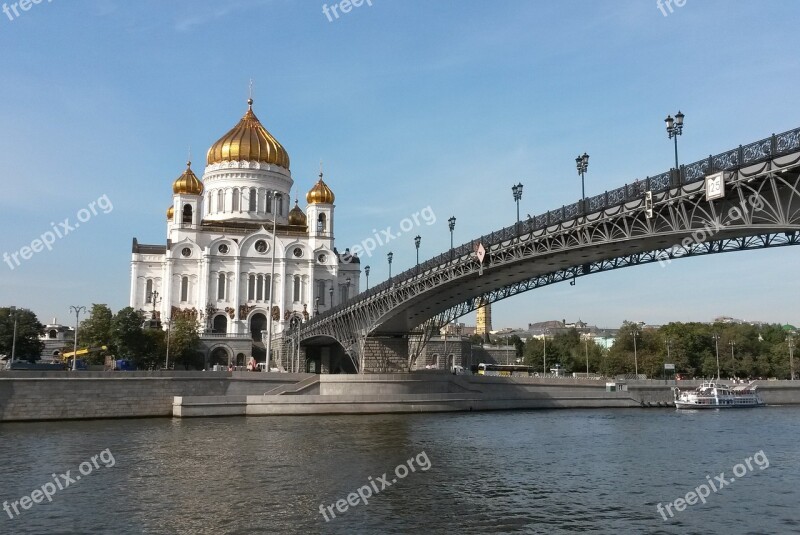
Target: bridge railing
<point>759,151</point>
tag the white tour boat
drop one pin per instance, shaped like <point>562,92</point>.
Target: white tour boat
<point>711,395</point>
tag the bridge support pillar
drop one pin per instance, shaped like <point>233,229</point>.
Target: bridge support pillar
<point>386,354</point>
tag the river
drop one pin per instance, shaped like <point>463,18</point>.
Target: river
<point>554,471</point>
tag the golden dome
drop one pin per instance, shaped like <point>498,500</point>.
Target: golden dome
<point>248,141</point>
<point>170,213</point>
<point>187,183</point>
<point>320,193</point>
<point>297,216</point>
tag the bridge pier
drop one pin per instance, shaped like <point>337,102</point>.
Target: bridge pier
<point>386,354</point>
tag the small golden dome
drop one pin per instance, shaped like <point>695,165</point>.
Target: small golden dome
<point>248,141</point>
<point>170,213</point>
<point>297,216</point>
<point>187,183</point>
<point>320,193</point>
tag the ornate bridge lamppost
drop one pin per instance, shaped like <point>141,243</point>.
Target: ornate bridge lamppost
<point>451,224</point>
<point>517,191</point>
<point>582,163</point>
<point>675,129</point>
<point>417,241</point>
<point>330,293</point>
<point>366,272</point>
<point>389,257</point>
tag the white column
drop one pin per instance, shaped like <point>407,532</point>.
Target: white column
<point>237,263</point>
<point>166,289</point>
<point>134,282</point>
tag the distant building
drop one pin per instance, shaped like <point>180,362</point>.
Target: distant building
<point>55,337</point>
<point>484,321</point>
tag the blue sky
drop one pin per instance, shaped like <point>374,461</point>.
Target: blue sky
<point>409,104</point>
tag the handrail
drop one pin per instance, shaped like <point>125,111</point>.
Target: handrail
<point>759,151</point>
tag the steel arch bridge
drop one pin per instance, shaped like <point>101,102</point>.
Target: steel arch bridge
<point>659,219</point>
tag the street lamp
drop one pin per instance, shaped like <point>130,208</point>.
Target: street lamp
<point>417,240</point>
<point>13,310</point>
<point>716,343</point>
<point>635,354</point>
<point>586,345</point>
<point>791,356</point>
<point>517,191</point>
<point>667,341</point>
<point>366,272</point>
<point>675,129</point>
<point>330,293</point>
<point>275,196</point>
<point>544,354</point>
<point>155,300</point>
<point>166,361</point>
<point>389,257</point>
<point>733,357</point>
<point>347,288</point>
<point>451,224</point>
<point>582,162</point>
<point>77,310</point>
<point>316,304</point>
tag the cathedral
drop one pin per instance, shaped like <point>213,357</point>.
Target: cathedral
<point>235,244</point>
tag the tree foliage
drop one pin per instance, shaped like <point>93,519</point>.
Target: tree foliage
<point>28,346</point>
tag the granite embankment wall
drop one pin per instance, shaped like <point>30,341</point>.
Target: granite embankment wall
<point>69,395</point>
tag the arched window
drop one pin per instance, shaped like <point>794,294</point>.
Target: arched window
<point>148,291</point>
<point>343,293</point>
<point>267,287</point>
<point>251,287</point>
<point>184,289</point>
<point>221,323</point>
<point>253,199</point>
<point>52,334</point>
<point>235,204</point>
<point>187,213</point>
<point>220,201</point>
<point>269,202</point>
<point>296,289</point>
<point>259,287</point>
<point>221,287</point>
<point>322,223</point>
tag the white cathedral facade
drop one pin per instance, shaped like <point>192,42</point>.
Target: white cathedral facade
<point>220,253</point>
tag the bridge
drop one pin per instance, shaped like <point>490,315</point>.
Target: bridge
<point>743,199</point>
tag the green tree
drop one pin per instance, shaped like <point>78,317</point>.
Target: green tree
<point>28,346</point>
<point>128,338</point>
<point>97,330</point>
<point>184,343</point>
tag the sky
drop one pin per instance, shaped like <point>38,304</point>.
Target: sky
<point>410,105</point>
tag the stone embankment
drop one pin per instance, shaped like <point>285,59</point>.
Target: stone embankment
<point>29,396</point>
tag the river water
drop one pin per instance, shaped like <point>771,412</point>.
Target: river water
<point>565,471</point>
